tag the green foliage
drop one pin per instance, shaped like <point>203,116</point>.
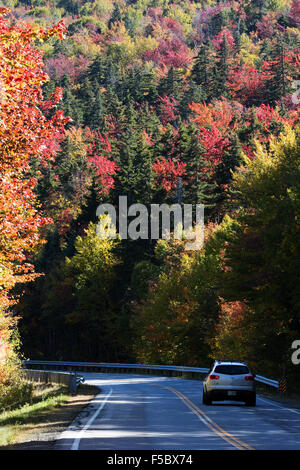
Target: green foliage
<point>89,275</point>
<point>142,274</point>
<point>260,244</point>
<point>14,390</point>
<point>175,319</point>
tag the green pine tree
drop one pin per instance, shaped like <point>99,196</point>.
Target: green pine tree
<point>116,16</point>
<point>172,85</point>
<point>221,69</point>
<point>198,187</point>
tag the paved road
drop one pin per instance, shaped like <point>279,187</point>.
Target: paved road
<point>136,412</point>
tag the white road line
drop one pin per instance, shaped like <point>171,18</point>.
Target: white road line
<point>76,442</point>
<point>272,403</point>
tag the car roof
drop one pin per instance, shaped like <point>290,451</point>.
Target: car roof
<point>236,363</point>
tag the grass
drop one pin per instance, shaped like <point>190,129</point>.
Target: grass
<point>19,420</point>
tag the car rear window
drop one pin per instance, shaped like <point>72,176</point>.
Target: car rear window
<point>232,370</point>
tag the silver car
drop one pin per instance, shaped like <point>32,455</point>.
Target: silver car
<point>229,381</point>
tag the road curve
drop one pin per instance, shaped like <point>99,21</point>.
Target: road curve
<point>137,412</point>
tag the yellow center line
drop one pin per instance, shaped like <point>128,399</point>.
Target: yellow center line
<point>233,440</point>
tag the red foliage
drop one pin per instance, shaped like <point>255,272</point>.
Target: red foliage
<point>25,134</point>
<point>170,53</point>
<point>233,310</point>
<point>155,12</point>
<point>214,121</point>
<point>268,115</point>
<point>168,109</point>
<point>60,65</point>
<point>219,113</point>
<point>248,150</point>
<point>168,171</point>
<point>218,39</point>
<point>214,144</point>
<point>205,15</point>
<point>104,168</point>
<point>246,83</point>
<point>295,13</point>
<point>267,26</point>
<point>172,25</point>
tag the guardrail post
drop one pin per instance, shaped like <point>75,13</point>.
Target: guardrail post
<point>73,384</point>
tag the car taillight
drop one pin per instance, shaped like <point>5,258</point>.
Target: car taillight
<point>214,377</point>
<point>249,377</point>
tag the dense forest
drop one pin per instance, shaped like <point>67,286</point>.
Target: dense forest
<point>106,98</point>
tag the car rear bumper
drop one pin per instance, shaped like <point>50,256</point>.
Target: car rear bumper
<point>234,395</point>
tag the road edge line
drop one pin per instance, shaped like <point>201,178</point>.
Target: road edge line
<point>77,440</point>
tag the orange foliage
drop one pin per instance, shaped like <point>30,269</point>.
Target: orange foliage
<point>219,113</point>
<point>25,129</point>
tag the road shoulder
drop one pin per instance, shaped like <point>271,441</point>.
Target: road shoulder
<point>286,401</point>
<point>42,436</point>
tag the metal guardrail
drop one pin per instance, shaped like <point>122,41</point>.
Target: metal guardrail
<point>72,381</point>
<point>266,381</point>
<point>188,372</point>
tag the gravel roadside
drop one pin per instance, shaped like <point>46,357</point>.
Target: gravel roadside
<point>42,436</point>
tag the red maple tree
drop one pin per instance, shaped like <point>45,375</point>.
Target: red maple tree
<point>26,127</point>
<point>167,172</point>
<point>105,168</point>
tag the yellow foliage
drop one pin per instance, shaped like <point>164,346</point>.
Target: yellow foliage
<point>249,51</point>
<point>183,18</point>
<point>103,7</point>
<point>123,46</point>
<point>266,161</point>
<point>84,45</point>
<point>144,44</point>
<point>278,5</point>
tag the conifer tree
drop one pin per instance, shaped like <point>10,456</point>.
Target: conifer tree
<point>97,111</point>
<point>68,102</point>
<point>142,86</point>
<point>197,183</point>
<point>221,69</point>
<point>218,21</point>
<point>172,85</point>
<point>231,160</point>
<point>86,96</point>
<point>202,71</point>
<point>277,85</point>
<point>116,16</point>
<point>193,94</point>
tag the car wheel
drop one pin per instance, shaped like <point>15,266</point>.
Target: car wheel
<point>251,401</point>
<point>207,399</point>
<point>204,399</point>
